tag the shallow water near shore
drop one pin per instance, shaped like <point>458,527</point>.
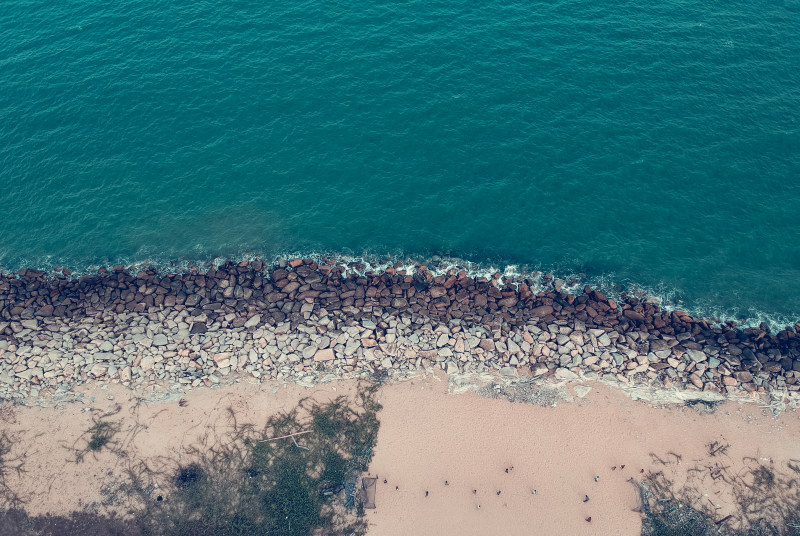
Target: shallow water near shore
<point>652,147</point>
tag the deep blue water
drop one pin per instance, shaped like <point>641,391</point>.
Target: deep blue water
<point>653,144</point>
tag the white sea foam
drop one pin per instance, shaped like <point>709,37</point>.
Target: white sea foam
<point>507,274</point>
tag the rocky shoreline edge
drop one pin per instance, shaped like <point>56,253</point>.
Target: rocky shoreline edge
<point>308,321</point>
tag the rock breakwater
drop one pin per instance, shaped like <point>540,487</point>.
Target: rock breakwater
<point>307,321</point>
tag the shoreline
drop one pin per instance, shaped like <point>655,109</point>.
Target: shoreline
<point>308,322</point>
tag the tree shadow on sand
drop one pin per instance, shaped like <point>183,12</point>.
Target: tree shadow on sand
<point>766,499</point>
<point>294,476</point>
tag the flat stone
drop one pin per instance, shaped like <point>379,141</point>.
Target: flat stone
<point>324,355</point>
<point>729,381</point>
<point>633,315</point>
<point>220,357</point>
<point>445,353</point>
<point>512,346</point>
<point>30,373</point>
<point>581,390</point>
<point>542,311</point>
<point>696,380</point>
<point>98,370</point>
<point>198,327</point>
<point>106,346</point>
<point>696,355</point>
<point>487,344</point>
<point>159,339</point>
<point>442,340</point>
<point>438,292</point>
<point>604,340</point>
<point>508,371</point>
<point>31,324</point>
<point>743,376</point>
<point>387,362</point>
<point>511,301</point>
<point>565,374</point>
<point>538,369</point>
<point>253,321</point>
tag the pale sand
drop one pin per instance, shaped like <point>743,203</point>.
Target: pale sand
<point>428,436</point>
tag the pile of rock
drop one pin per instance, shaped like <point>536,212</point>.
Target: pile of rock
<point>306,320</point>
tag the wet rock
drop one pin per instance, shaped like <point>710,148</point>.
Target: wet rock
<point>633,315</point>
<point>542,311</point>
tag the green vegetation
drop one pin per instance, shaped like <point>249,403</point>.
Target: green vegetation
<point>296,476</point>
<point>292,477</point>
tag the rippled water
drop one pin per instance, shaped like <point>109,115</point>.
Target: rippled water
<point>655,145</point>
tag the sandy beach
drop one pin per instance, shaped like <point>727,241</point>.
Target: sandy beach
<point>441,454</point>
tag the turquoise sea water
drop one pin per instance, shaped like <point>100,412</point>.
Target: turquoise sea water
<point>650,144</point>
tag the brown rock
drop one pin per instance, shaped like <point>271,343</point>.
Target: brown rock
<point>220,357</point>
<point>46,310</point>
<point>696,380</point>
<point>294,263</point>
<point>324,355</point>
<point>487,344</point>
<point>542,311</point>
<point>633,315</point>
<point>527,336</point>
<point>730,381</point>
<point>438,292</point>
<point>511,301</point>
<point>744,376</point>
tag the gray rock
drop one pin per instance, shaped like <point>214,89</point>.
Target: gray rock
<point>252,322</point>
<point>309,351</point>
<point>31,324</point>
<point>442,340</point>
<point>565,374</point>
<point>159,339</point>
<point>30,373</point>
<point>582,390</point>
<point>445,353</point>
<point>696,355</point>
<point>106,346</point>
<point>508,371</point>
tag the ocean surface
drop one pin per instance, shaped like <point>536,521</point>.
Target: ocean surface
<point>645,145</point>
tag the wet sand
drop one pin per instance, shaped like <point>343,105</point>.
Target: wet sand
<point>429,436</point>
